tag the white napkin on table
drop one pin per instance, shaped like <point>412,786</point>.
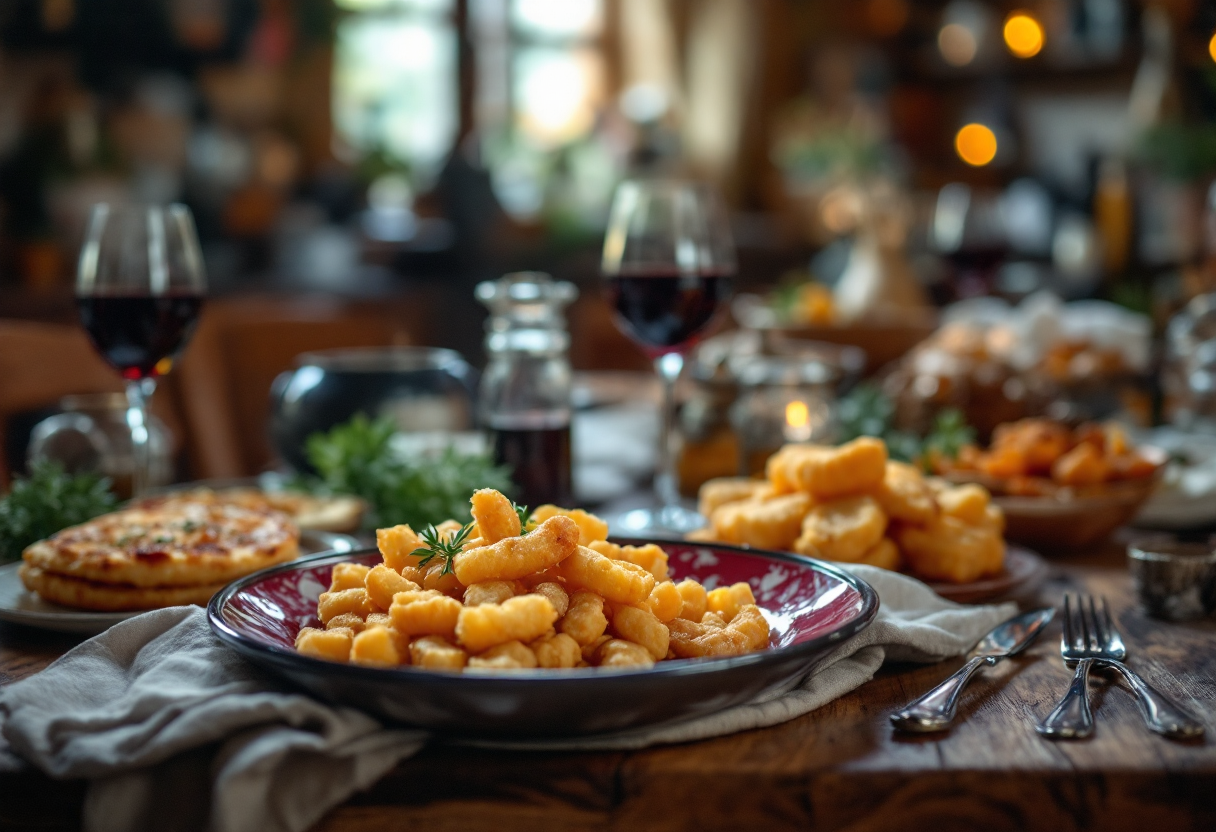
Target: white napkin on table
<point>175,731</point>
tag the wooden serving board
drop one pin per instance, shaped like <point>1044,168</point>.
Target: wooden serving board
<point>842,767</point>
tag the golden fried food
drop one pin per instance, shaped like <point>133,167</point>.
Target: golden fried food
<point>827,473</point>
<point>347,576</point>
<point>614,580</point>
<point>696,600</point>
<point>751,624</point>
<point>437,653</point>
<point>332,645</point>
<point>540,600</point>
<point>1083,465</point>
<point>494,515</point>
<point>584,621</point>
<point>968,503</point>
<point>550,543</point>
<point>765,524</point>
<point>556,594</point>
<point>383,583</point>
<point>354,601</point>
<point>1034,457</point>
<point>950,550</point>
<point>591,528</point>
<point>884,554</point>
<point>348,620</point>
<point>397,545</point>
<point>692,640</point>
<point>511,655</point>
<point>375,647</point>
<point>842,530</point>
<point>728,600</point>
<point>718,492</point>
<point>904,494</point>
<point>425,613</point>
<point>642,627</point>
<point>522,618</point>
<point>621,653</point>
<point>488,592</point>
<point>665,601</point>
<point>650,557</point>
<point>557,651</point>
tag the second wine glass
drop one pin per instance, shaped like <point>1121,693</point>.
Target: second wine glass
<point>139,289</point>
<point>668,265</point>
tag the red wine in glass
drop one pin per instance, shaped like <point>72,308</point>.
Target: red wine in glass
<point>135,334</point>
<point>666,311</point>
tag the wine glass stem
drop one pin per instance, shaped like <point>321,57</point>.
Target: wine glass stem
<point>138,393</point>
<point>666,482</point>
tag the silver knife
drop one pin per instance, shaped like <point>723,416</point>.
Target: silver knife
<point>935,710</point>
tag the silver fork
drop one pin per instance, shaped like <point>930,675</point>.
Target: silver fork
<point>1093,639</point>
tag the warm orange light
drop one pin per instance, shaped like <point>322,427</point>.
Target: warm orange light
<point>797,414</point>
<point>797,422</point>
<point>1212,46</point>
<point>976,144</point>
<point>1023,34</point>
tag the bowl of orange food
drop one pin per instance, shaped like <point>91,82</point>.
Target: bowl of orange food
<point>1061,487</point>
<point>517,626</point>
<point>853,504</point>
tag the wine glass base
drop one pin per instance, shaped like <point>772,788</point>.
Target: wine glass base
<point>669,521</point>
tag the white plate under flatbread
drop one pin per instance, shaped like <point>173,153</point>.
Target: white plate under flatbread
<point>20,606</point>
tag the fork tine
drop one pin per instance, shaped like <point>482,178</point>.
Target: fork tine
<point>1067,622</point>
<point>1110,626</point>
<point>1100,637</point>
<point>1085,635</point>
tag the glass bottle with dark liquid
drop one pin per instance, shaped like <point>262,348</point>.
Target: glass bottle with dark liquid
<point>525,390</point>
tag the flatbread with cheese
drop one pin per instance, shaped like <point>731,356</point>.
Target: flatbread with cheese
<point>326,514</point>
<point>170,543</point>
<point>90,595</point>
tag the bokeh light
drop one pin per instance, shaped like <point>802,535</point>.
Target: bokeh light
<point>1023,34</point>
<point>1212,46</point>
<point>958,44</point>
<point>975,144</point>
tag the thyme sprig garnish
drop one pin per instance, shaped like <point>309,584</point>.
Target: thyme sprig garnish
<point>525,517</point>
<point>439,547</point>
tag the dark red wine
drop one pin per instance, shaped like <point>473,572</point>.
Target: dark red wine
<point>540,463</point>
<point>135,334</point>
<point>665,312</point>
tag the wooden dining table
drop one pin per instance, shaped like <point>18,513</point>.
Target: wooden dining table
<point>841,767</point>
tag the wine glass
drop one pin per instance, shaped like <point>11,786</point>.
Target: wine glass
<point>139,290</point>
<point>668,264</point>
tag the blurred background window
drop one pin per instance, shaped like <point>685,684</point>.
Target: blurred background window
<point>395,81</point>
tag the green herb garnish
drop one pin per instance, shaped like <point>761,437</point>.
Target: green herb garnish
<point>357,458</point>
<point>438,547</point>
<point>47,501</point>
<point>525,517</point>
<point>867,411</point>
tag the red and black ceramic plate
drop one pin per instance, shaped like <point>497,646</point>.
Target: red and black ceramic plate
<point>811,607</point>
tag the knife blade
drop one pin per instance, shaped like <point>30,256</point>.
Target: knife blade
<point>936,709</point>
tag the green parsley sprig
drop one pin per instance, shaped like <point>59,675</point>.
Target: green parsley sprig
<point>358,458</point>
<point>437,546</point>
<point>525,517</point>
<point>45,502</point>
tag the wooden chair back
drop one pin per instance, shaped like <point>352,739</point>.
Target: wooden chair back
<point>240,346</point>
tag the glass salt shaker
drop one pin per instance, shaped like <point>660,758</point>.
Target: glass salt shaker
<point>524,400</point>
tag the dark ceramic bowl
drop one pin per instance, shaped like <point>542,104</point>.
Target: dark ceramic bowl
<point>422,388</point>
<point>811,606</point>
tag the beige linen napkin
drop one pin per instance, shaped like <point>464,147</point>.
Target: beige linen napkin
<point>175,731</point>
